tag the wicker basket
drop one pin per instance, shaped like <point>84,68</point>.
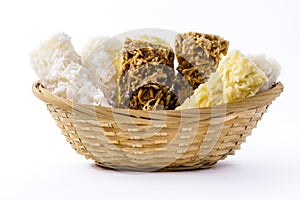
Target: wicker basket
<point>171,140</point>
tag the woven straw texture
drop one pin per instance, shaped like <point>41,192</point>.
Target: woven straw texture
<point>171,140</point>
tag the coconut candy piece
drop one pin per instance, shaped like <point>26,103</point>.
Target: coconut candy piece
<point>153,97</point>
<point>198,55</point>
<point>144,63</point>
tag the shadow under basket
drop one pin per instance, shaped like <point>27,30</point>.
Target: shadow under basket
<point>172,140</point>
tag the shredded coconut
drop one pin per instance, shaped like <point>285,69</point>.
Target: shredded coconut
<point>271,68</point>
<point>59,68</point>
<point>100,57</point>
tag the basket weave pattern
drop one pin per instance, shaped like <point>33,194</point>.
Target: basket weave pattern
<point>158,140</point>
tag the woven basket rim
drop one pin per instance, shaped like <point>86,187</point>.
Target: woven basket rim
<point>251,102</point>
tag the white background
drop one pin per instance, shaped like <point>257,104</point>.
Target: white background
<point>37,163</point>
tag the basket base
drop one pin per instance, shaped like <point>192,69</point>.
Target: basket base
<point>155,169</point>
